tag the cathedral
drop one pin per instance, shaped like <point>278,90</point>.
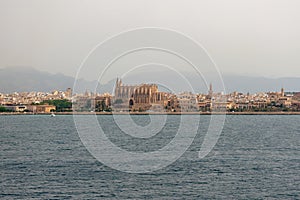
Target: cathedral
<point>137,97</point>
<point>123,92</point>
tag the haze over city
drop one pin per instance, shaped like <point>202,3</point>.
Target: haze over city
<point>245,38</point>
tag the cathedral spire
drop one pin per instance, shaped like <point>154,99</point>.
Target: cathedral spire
<point>210,92</point>
<point>282,92</point>
<point>118,82</point>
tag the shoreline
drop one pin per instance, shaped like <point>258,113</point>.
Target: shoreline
<point>156,113</point>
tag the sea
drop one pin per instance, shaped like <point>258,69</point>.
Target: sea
<point>255,157</point>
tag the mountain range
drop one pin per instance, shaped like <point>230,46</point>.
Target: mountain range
<point>18,79</point>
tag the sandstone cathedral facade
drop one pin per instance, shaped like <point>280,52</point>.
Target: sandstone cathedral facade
<point>138,97</point>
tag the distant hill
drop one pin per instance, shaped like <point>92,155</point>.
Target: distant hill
<point>18,79</point>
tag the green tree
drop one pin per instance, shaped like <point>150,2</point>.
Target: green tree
<point>2,109</point>
<point>62,105</point>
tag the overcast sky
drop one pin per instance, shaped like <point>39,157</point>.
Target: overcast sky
<point>253,37</point>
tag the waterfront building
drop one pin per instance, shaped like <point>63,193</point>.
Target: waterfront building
<point>187,102</point>
<point>137,97</point>
<point>41,108</point>
<point>15,108</point>
<point>172,104</point>
<point>82,103</point>
<point>285,101</point>
<point>102,102</point>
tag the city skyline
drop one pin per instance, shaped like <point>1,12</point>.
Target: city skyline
<point>145,97</point>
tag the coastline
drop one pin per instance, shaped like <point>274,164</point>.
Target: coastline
<point>156,113</point>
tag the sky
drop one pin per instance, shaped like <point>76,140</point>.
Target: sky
<point>243,37</point>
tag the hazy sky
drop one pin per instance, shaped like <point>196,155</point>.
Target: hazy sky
<point>253,37</point>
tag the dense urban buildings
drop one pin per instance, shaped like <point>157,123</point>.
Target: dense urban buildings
<point>148,98</point>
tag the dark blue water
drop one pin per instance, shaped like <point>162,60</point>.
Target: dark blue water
<point>256,157</point>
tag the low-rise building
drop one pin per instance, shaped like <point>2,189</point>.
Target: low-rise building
<point>16,108</point>
<point>41,108</point>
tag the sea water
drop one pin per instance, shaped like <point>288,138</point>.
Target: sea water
<point>256,157</point>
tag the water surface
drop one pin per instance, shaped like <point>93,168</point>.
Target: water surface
<point>255,157</point>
